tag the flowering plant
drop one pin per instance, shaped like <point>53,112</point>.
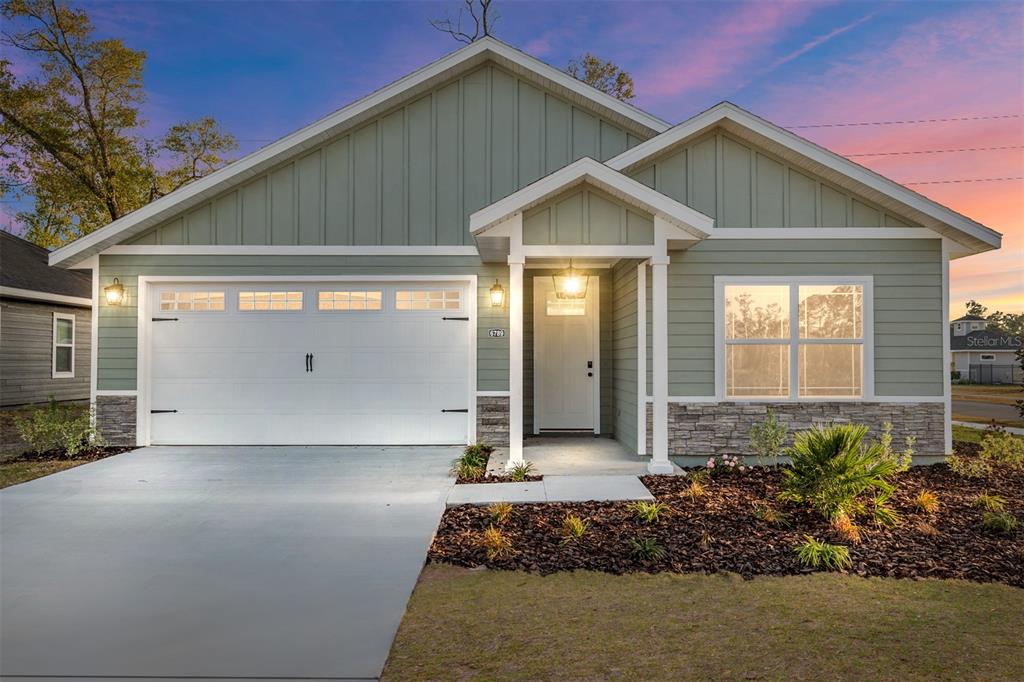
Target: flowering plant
<point>726,463</point>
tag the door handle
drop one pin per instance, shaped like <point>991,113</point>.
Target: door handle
<point>307,362</point>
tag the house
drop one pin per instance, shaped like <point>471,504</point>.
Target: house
<point>45,323</point>
<point>489,248</point>
<point>981,355</point>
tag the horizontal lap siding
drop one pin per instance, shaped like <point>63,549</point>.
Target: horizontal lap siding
<point>118,329</point>
<point>907,306</point>
<point>26,347</point>
<point>624,352</point>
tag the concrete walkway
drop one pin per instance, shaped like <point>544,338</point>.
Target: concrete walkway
<point>216,562</point>
<point>552,489</point>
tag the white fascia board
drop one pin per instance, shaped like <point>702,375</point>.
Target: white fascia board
<point>331,125</point>
<point>44,296</point>
<point>825,233</point>
<point>728,112</point>
<point>589,171</point>
<point>236,250</point>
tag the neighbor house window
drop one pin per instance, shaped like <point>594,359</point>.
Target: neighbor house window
<point>269,300</point>
<point>186,301</point>
<point>350,300</point>
<point>429,299</point>
<point>63,346</point>
<point>988,356</point>
<point>787,340</point>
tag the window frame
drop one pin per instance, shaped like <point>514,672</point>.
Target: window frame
<point>412,287</point>
<point>302,291</point>
<point>183,290</point>
<point>794,341</point>
<point>383,291</point>
<point>54,345</point>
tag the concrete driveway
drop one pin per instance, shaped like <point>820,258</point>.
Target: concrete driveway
<point>286,562</point>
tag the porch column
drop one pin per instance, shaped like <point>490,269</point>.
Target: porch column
<point>659,315</point>
<point>515,360</point>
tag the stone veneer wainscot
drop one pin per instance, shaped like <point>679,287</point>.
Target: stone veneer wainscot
<point>492,420</point>
<point>115,419</point>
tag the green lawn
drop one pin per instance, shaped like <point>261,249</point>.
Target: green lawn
<point>1003,394</point>
<point>969,435</point>
<point>489,625</point>
<point>12,473</point>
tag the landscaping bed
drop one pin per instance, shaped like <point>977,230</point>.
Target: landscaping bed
<point>722,530</point>
<point>31,465</point>
<point>472,467</point>
<point>487,477</point>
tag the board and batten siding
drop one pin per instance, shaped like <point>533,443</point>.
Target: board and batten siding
<point>118,327</point>
<point>585,215</point>
<point>741,185</point>
<point>908,315</point>
<point>624,352</point>
<point>412,176</point>
<point>26,353</point>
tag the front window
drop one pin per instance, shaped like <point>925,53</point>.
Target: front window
<point>63,356</point>
<point>793,340</point>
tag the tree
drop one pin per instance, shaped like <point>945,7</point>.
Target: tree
<point>605,76</point>
<point>1008,323</point>
<point>975,308</point>
<point>70,136</point>
<point>198,149</point>
<point>480,14</point>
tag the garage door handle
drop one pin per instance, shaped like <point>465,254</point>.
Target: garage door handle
<point>163,411</point>
<point>459,319</point>
<point>307,362</point>
<point>462,410</point>
<point>310,362</point>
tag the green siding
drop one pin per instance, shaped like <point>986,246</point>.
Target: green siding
<point>118,329</point>
<point>741,185</point>
<point>412,175</point>
<point>587,216</point>
<point>907,304</point>
<point>624,352</point>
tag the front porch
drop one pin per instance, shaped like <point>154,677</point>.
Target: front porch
<point>576,456</point>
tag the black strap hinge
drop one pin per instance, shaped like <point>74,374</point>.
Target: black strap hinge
<point>162,411</point>
<point>165,319</point>
<point>461,319</point>
<point>462,410</point>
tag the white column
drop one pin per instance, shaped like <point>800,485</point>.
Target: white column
<point>515,360</point>
<point>641,359</point>
<point>659,314</point>
<point>947,390</point>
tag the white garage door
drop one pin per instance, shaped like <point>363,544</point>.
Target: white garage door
<point>301,363</point>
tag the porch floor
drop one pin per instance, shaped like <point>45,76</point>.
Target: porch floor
<point>576,456</point>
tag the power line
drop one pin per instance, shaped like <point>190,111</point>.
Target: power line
<point>908,121</point>
<point>936,151</point>
<point>949,182</point>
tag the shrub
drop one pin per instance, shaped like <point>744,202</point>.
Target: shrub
<point>58,427</point>
<point>969,467</point>
<point>817,554</point>
<point>499,512</point>
<point>695,489</point>
<point>476,455</point>
<point>902,459</point>
<point>646,549</point>
<point>927,501</point>
<point>1000,449</point>
<point>520,471</point>
<point>726,463</point>
<point>496,544</point>
<point>573,528</point>
<point>648,512</point>
<point>832,469</point>
<point>993,503</point>
<point>465,470</point>
<point>768,437</point>
<point>769,514</point>
<point>999,521</point>
<point>846,528</point>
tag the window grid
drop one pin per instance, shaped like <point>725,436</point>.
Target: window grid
<point>192,301</point>
<point>350,300</point>
<point>256,301</point>
<point>428,299</point>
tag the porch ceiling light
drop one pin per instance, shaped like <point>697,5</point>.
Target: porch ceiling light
<point>570,284</point>
<point>114,293</point>
<point>497,295</point>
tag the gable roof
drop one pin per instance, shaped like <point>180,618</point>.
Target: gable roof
<point>25,266</point>
<point>420,81</point>
<point>974,236</point>
<point>969,317</point>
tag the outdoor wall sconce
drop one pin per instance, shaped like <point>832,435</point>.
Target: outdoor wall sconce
<point>569,284</point>
<point>497,295</point>
<point>114,293</point>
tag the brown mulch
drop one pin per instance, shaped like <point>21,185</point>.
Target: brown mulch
<point>718,532</point>
<point>87,455</point>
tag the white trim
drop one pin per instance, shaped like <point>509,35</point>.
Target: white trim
<point>285,250</point>
<point>641,358</point>
<point>794,342</point>
<point>334,124</point>
<point>825,233</point>
<point>54,374</point>
<point>659,463</point>
<point>117,393</point>
<point>895,399</point>
<point>33,295</point>
<point>730,114</point>
<point>947,355</point>
<point>586,170</point>
<point>596,341</point>
<point>492,394</point>
<point>94,335</point>
<point>589,251</point>
<point>515,361</point>
<point>143,374</point>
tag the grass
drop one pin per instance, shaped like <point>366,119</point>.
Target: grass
<point>486,625</point>
<point>1005,394</point>
<point>12,473</point>
<point>969,435</point>
<point>1015,423</point>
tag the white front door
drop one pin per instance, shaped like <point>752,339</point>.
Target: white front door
<point>282,363</point>
<point>565,359</point>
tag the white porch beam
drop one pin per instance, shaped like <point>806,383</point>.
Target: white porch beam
<point>659,313</point>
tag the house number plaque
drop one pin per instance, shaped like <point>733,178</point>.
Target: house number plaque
<point>496,333</point>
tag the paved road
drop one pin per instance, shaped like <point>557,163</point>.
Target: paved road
<point>970,408</point>
<point>217,562</point>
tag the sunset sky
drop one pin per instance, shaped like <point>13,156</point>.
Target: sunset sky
<point>266,68</point>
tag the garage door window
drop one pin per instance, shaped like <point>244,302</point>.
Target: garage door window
<point>269,300</point>
<point>350,300</point>
<point>431,299</point>
<point>185,301</point>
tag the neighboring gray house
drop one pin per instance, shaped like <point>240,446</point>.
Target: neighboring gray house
<point>982,355</point>
<point>45,326</point>
<point>490,248</point>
